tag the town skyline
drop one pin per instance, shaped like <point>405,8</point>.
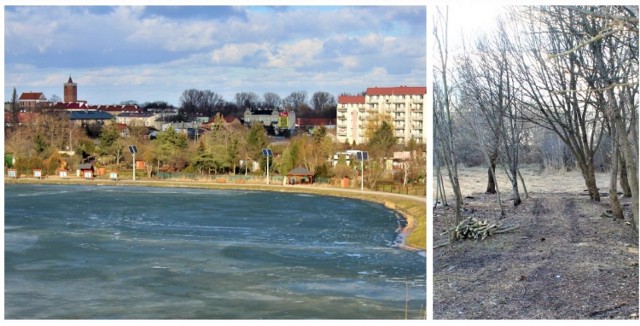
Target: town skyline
<point>154,53</point>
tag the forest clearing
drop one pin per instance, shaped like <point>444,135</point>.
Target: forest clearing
<point>547,102</point>
<point>564,261</point>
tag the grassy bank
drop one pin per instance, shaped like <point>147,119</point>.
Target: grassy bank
<point>412,208</point>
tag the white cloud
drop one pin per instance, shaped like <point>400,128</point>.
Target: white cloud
<point>29,33</point>
<point>297,54</point>
<point>335,49</point>
<point>172,35</point>
<point>235,53</point>
<point>349,62</point>
<point>372,40</point>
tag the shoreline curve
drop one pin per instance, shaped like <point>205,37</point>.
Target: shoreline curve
<point>415,203</point>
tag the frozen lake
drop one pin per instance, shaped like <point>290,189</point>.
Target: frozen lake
<point>108,252</point>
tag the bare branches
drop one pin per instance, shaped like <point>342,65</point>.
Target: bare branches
<point>443,125</point>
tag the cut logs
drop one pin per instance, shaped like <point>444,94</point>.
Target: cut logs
<point>472,228</point>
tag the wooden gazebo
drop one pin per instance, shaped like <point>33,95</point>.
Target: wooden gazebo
<point>299,175</point>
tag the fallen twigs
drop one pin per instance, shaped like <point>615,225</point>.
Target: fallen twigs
<point>472,228</point>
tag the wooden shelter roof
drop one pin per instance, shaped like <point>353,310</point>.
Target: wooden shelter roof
<point>300,171</point>
<point>85,166</point>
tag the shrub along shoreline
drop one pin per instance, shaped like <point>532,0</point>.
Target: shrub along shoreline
<point>411,208</point>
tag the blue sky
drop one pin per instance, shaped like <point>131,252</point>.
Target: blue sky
<point>117,53</point>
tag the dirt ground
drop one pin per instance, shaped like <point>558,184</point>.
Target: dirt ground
<point>564,261</point>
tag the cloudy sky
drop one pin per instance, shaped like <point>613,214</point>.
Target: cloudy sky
<point>117,53</point>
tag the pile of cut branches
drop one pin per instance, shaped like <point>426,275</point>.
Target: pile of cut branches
<point>472,228</point>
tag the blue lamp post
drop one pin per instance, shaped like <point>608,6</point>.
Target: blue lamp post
<point>362,156</point>
<point>133,149</point>
<point>267,153</point>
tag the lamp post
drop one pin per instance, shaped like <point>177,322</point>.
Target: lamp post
<point>362,156</point>
<point>133,149</point>
<point>267,152</point>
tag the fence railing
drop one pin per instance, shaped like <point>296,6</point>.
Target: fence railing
<point>416,190</point>
<point>227,178</point>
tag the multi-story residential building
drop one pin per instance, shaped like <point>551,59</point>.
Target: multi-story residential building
<point>403,106</point>
<point>351,119</point>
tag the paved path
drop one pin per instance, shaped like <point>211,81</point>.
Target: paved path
<point>192,183</point>
<point>286,188</point>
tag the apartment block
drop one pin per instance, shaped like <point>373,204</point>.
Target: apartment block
<point>403,106</point>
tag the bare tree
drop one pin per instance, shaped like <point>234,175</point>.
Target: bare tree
<point>54,98</point>
<point>489,88</point>
<point>615,59</point>
<point>247,100</point>
<point>322,100</point>
<point>271,100</point>
<point>549,96</point>
<point>613,191</point>
<point>297,102</point>
<point>553,152</point>
<point>443,126</point>
<point>605,43</point>
<point>196,102</point>
<point>476,93</point>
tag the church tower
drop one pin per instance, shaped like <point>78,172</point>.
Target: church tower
<point>70,91</point>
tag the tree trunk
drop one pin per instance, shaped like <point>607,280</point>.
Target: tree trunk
<point>589,175</point>
<point>440,192</point>
<point>613,191</point>
<point>443,193</point>
<point>632,168</point>
<point>524,186</point>
<point>491,171</point>
<point>624,180</point>
<point>514,186</point>
<point>458,195</point>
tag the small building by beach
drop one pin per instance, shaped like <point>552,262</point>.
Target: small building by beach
<point>299,175</point>
<point>86,170</point>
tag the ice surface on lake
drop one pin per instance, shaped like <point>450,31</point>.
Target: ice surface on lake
<point>152,253</point>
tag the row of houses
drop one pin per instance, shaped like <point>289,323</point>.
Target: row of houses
<point>88,116</point>
<point>403,106</point>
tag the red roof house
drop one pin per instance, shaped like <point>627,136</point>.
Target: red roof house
<point>400,90</point>
<point>351,99</point>
<point>32,100</point>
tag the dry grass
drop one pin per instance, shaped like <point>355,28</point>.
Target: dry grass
<point>474,180</point>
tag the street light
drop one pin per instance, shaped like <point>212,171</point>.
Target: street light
<point>267,152</point>
<point>362,156</point>
<point>133,149</point>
